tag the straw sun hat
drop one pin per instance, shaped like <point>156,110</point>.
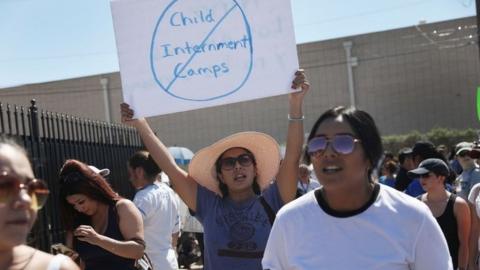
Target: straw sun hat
<point>263,147</point>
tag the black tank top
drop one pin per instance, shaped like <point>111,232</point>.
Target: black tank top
<point>448,223</point>
<point>97,258</point>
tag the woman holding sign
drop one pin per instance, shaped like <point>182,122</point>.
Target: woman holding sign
<point>236,185</point>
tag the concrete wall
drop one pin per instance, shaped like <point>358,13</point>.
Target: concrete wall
<point>413,78</point>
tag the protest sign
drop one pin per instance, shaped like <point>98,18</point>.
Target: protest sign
<point>187,54</point>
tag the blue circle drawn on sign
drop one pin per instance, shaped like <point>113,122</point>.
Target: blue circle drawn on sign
<point>167,88</point>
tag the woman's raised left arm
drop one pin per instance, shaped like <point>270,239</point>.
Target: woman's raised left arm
<point>288,172</point>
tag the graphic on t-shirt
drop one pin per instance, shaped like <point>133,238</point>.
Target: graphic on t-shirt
<point>242,227</point>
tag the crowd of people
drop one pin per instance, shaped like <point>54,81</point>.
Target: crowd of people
<point>347,204</point>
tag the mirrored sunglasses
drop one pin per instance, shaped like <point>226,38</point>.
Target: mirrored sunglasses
<point>11,185</point>
<point>229,162</point>
<point>341,144</point>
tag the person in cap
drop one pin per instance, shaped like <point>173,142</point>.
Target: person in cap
<point>451,212</point>
<point>405,160</point>
<point>105,229</point>
<point>422,150</point>
<point>160,211</point>
<point>305,182</point>
<point>229,185</point>
<point>352,221</point>
<point>21,197</point>
<point>470,170</point>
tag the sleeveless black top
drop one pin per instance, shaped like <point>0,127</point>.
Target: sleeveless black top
<point>448,224</point>
<point>97,258</point>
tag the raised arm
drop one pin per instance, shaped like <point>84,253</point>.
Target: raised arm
<point>462,215</point>
<point>287,175</point>
<point>184,185</point>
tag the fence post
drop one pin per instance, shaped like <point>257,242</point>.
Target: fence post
<point>34,118</point>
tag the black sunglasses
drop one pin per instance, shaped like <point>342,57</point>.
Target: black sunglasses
<point>229,162</point>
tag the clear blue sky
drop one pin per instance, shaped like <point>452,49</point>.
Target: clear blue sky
<point>46,40</point>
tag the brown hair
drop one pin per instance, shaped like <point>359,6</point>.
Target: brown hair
<point>77,178</point>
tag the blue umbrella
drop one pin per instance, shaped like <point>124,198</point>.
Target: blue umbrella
<point>182,155</point>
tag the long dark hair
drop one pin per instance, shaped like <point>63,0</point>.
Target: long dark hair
<point>77,178</point>
<point>222,186</point>
<point>364,128</point>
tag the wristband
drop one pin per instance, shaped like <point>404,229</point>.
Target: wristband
<point>296,118</point>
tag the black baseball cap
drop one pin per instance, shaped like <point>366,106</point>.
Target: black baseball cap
<point>435,165</point>
<point>423,148</point>
<point>405,151</point>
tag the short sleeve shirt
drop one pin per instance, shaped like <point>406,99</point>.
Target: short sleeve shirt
<point>235,234</point>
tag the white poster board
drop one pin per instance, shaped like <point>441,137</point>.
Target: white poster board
<point>180,55</point>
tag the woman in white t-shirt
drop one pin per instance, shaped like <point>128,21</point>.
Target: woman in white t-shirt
<point>352,222</point>
<point>21,196</point>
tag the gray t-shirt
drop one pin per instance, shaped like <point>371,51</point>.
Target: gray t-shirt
<point>235,234</point>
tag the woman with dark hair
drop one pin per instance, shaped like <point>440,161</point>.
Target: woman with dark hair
<point>159,207</point>
<point>352,222</point>
<point>105,229</point>
<point>21,196</point>
<point>230,185</point>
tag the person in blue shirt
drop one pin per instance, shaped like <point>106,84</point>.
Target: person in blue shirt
<point>236,185</point>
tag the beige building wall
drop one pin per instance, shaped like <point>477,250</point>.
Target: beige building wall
<point>413,78</point>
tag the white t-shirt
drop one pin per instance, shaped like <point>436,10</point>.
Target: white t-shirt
<point>474,198</point>
<point>56,262</point>
<point>159,209</point>
<point>392,231</point>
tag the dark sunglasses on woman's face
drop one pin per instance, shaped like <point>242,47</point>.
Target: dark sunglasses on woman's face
<point>11,185</point>
<point>229,162</point>
<point>341,144</point>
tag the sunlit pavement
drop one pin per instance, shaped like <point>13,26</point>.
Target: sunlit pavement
<point>195,266</point>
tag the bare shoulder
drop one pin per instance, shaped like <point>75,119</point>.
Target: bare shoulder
<point>127,207</point>
<point>460,201</point>
<point>460,205</point>
<point>124,203</point>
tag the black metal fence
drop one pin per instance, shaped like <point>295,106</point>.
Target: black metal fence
<point>50,139</point>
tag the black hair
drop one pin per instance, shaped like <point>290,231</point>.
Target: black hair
<point>145,161</point>
<point>364,128</point>
<point>222,186</point>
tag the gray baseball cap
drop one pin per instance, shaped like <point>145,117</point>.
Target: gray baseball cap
<point>435,165</point>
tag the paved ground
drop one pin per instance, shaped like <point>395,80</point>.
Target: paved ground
<point>195,266</point>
